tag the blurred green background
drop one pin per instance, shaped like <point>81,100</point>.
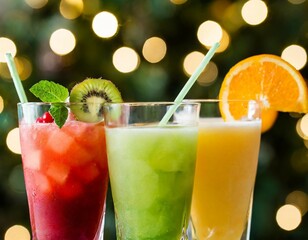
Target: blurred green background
<point>149,53</point>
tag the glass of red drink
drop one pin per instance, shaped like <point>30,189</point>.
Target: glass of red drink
<point>65,172</point>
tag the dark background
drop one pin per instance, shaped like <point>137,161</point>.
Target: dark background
<point>283,161</point>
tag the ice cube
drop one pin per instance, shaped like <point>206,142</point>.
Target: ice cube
<point>59,141</point>
<point>42,182</point>
<point>32,160</point>
<point>88,173</point>
<point>80,156</point>
<point>147,181</point>
<point>58,172</point>
<point>75,128</point>
<point>85,134</point>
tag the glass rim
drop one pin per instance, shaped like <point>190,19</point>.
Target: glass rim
<point>50,103</point>
<point>155,103</point>
<point>109,103</point>
<point>216,100</point>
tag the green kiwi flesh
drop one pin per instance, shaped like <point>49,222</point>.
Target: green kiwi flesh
<point>92,93</point>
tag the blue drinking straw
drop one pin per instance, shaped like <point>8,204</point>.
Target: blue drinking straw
<point>189,84</point>
<point>17,82</point>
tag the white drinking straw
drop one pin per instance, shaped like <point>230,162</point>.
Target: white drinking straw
<point>189,84</point>
<point>17,82</point>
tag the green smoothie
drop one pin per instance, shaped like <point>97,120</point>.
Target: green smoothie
<point>151,172</point>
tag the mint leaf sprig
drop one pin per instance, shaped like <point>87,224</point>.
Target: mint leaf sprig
<point>55,94</point>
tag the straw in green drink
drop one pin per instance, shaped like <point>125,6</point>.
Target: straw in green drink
<point>189,84</point>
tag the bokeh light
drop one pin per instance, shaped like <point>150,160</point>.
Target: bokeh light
<point>295,55</point>
<point>12,141</point>
<point>296,1</point>
<point>125,59</point>
<point>298,199</point>
<point>105,24</point>
<point>192,61</point>
<point>154,49</point>
<point>36,4</point>
<point>17,232</point>
<point>178,2</point>
<point>62,41</point>
<point>6,46</point>
<point>4,71</point>
<point>254,12</point>
<point>71,9</point>
<point>49,61</point>
<point>1,104</point>
<point>232,18</point>
<point>302,127</point>
<point>24,67</point>
<point>209,75</point>
<point>209,32</point>
<point>224,42</point>
<point>288,217</point>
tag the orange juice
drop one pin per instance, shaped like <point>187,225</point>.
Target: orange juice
<point>224,178</point>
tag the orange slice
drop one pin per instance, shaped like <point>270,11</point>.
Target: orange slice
<point>269,79</point>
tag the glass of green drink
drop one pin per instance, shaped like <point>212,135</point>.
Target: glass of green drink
<point>151,168</point>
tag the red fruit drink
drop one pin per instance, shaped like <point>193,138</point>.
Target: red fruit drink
<point>66,179</point>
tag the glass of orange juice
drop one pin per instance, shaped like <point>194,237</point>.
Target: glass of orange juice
<point>226,167</point>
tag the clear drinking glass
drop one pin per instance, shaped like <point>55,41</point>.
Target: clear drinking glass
<point>151,168</point>
<point>66,174</point>
<point>225,174</point>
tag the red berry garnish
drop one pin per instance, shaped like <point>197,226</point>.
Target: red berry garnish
<point>46,118</point>
<point>39,120</point>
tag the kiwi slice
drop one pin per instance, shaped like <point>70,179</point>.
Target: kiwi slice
<point>92,93</point>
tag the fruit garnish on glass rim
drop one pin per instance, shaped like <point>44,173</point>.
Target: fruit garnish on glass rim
<point>268,79</point>
<point>86,99</point>
<point>46,118</point>
<point>92,93</point>
<point>55,93</point>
